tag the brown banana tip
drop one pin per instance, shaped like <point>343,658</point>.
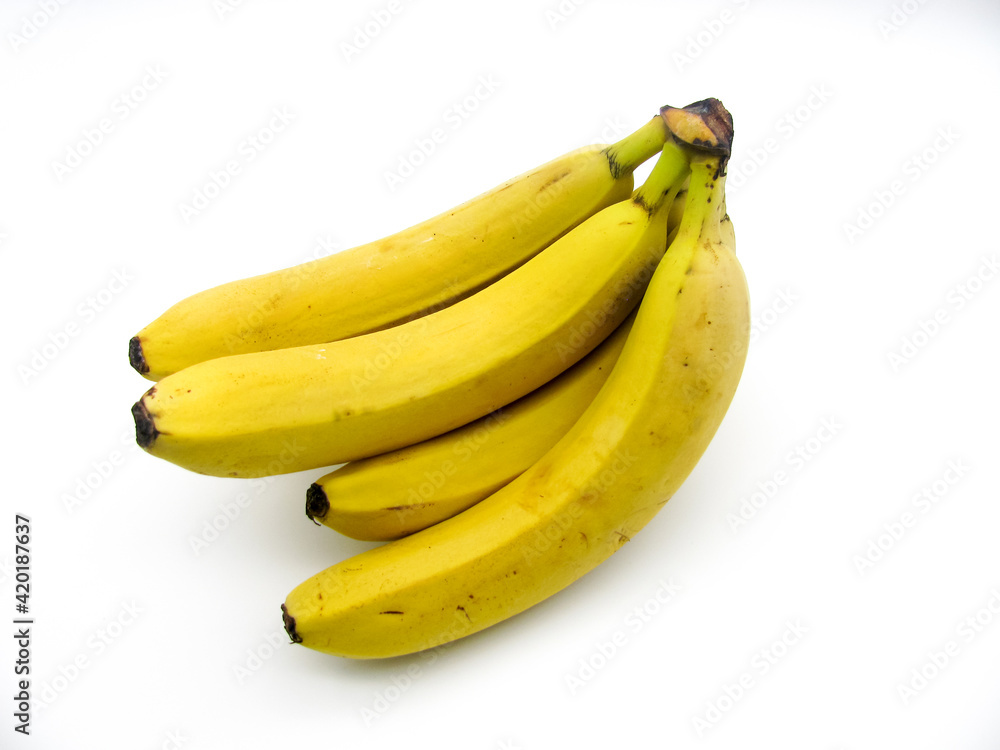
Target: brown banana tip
<point>136,357</point>
<point>705,125</point>
<point>289,623</point>
<point>317,504</point>
<point>145,429</point>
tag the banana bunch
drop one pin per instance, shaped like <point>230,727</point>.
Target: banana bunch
<point>513,388</point>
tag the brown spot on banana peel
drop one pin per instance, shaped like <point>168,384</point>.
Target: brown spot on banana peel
<point>414,506</point>
<point>145,427</point>
<point>552,182</point>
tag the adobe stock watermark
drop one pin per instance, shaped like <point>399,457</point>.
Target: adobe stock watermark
<point>436,478</point>
<point>249,149</point>
<point>173,739</point>
<point>967,630</point>
<point>389,351</point>
<point>120,109</point>
<point>628,289</point>
<point>223,8</point>
<point>604,651</point>
<point>741,167</point>
<point>294,277</point>
<point>256,656</point>
<point>921,503</point>
<point>370,29</point>
<point>708,375</point>
<point>612,129</point>
<point>103,638</point>
<point>565,520</point>
<point>100,471</point>
<point>32,25</point>
<point>84,314</point>
<point>403,681</point>
<point>761,664</point>
<point>899,16</point>
<point>557,15</point>
<point>228,512</point>
<point>780,304</point>
<point>955,300</point>
<point>795,461</point>
<point>713,28</point>
<point>452,119</point>
<point>532,207</point>
<point>402,335</point>
<point>913,170</point>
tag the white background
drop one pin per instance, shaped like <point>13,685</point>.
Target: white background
<point>143,641</point>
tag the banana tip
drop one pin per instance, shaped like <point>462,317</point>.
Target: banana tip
<point>145,429</point>
<point>136,357</point>
<point>317,503</point>
<point>289,623</point>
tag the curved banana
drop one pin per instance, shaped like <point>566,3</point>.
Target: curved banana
<point>305,407</point>
<point>397,493</point>
<point>677,208</point>
<point>400,277</point>
<point>598,486</point>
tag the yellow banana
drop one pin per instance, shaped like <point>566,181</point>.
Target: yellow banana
<point>599,485</point>
<point>677,208</point>
<point>400,277</point>
<point>306,407</point>
<point>397,493</point>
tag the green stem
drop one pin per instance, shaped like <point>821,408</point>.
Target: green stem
<point>632,150</point>
<point>670,168</point>
<point>704,194</point>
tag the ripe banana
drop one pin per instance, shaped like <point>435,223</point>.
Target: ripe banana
<point>400,277</point>
<point>287,410</point>
<point>397,493</point>
<point>601,483</point>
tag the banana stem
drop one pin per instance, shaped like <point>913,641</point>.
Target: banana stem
<point>706,125</point>
<point>632,150</point>
<point>703,196</point>
<point>670,168</point>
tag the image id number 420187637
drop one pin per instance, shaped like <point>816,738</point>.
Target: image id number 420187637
<point>22,624</point>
